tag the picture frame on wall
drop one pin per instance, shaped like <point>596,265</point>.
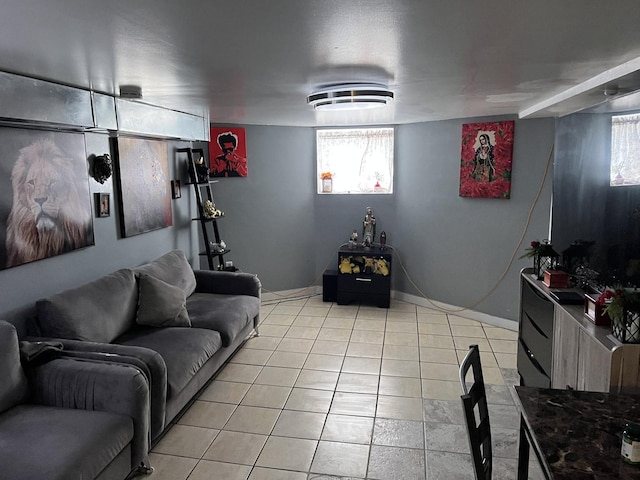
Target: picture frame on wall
<point>486,160</point>
<point>45,202</point>
<point>103,202</point>
<point>175,189</point>
<point>228,152</point>
<point>143,174</point>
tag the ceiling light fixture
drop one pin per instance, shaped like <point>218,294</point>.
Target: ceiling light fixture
<point>346,96</point>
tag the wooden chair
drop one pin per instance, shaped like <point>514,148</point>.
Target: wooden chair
<point>474,403</point>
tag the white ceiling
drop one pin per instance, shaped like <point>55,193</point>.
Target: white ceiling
<point>255,61</point>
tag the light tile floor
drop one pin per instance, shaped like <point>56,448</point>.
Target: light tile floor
<point>346,392</point>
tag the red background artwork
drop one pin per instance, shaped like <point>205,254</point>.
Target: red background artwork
<point>485,166</point>
<point>228,163</point>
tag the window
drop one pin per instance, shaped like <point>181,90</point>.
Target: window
<point>358,160</point>
<point>625,150</point>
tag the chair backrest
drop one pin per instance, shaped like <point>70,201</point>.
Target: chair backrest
<point>474,403</point>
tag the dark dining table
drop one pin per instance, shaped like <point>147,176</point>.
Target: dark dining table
<point>575,435</point>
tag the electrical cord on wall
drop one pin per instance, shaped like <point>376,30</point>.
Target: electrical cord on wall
<point>511,260</point>
<point>298,294</point>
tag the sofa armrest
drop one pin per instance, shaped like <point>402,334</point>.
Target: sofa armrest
<point>156,370</point>
<point>96,386</point>
<point>227,283</point>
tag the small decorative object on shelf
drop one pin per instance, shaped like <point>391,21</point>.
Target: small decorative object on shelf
<point>383,240</point>
<point>594,305</point>
<point>623,307</point>
<point>202,170</point>
<point>544,257</point>
<point>368,228</point>
<point>353,240</point>
<point>210,211</point>
<point>218,247</point>
<point>576,255</point>
<point>327,182</point>
<point>556,279</point>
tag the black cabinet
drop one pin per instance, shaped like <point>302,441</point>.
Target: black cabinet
<point>364,275</point>
<point>535,340</point>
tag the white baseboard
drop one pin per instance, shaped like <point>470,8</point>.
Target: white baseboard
<point>296,294</point>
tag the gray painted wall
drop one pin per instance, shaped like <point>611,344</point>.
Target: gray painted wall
<point>455,249</point>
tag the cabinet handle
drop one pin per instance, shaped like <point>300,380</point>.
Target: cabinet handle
<point>358,279</point>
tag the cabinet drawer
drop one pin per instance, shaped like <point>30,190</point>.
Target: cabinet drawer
<point>538,308</point>
<point>530,372</point>
<point>364,283</point>
<point>538,342</point>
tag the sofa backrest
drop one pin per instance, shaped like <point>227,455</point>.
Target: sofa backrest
<point>14,388</point>
<point>97,311</point>
<point>172,268</point>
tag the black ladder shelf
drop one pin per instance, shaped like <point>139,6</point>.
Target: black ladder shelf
<point>202,187</point>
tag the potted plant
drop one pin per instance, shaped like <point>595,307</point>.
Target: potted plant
<point>623,307</point>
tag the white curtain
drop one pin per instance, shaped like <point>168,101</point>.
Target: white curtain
<point>359,160</point>
<point>625,150</point>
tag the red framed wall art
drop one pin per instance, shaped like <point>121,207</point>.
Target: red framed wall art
<point>486,157</point>
<point>228,152</point>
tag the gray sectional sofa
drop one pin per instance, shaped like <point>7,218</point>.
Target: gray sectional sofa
<point>177,325</point>
<point>69,418</point>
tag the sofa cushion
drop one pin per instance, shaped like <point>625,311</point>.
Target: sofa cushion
<point>98,311</point>
<point>60,443</point>
<point>161,304</point>
<point>172,268</point>
<point>184,350</point>
<point>227,314</point>
<point>13,387</point>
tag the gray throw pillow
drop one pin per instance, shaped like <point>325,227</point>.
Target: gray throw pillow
<point>13,384</point>
<point>161,304</point>
<point>172,268</point>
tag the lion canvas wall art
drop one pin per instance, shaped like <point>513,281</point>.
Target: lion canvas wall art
<point>143,171</point>
<point>45,206</point>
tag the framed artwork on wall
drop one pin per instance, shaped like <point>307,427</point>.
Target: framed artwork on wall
<point>103,203</point>
<point>143,174</point>
<point>228,152</point>
<point>45,204</point>
<point>175,189</point>
<point>486,157</point>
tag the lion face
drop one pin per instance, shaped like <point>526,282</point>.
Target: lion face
<point>51,213</point>
<point>46,192</point>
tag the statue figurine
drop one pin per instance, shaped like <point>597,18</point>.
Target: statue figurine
<point>353,240</point>
<point>383,240</point>
<point>368,228</point>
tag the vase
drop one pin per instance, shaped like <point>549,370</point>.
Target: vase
<point>627,328</point>
<point>327,185</point>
